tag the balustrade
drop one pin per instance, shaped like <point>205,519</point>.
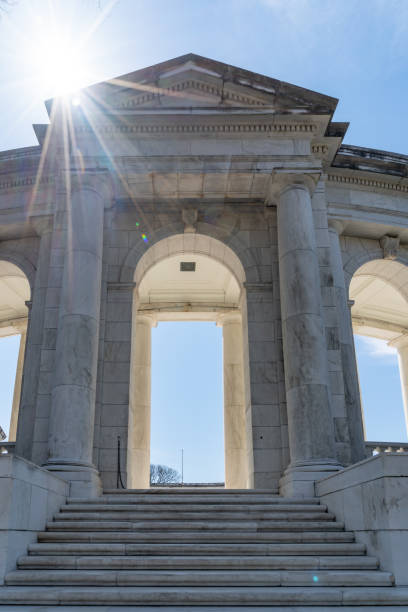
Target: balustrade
<point>373,448</point>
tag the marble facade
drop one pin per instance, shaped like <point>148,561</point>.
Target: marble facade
<point>193,160</point>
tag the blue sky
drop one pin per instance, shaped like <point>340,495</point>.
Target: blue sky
<point>355,50</point>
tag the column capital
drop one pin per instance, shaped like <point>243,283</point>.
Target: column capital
<point>399,342</point>
<point>147,319</point>
<point>228,317</point>
<point>13,326</point>
<point>336,225</point>
<point>283,180</point>
<point>98,180</point>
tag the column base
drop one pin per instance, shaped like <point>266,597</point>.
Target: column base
<point>83,478</point>
<point>299,479</point>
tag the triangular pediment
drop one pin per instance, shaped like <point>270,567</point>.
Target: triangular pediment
<point>189,86</point>
<point>195,81</point>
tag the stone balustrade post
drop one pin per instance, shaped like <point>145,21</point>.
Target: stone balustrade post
<point>138,454</point>
<point>235,428</point>
<point>348,354</point>
<point>71,426</point>
<point>310,422</point>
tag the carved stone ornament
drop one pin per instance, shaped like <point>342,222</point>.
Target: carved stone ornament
<point>390,246</point>
<point>189,216</point>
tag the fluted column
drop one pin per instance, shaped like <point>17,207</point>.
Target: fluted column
<point>310,422</point>
<point>17,383</point>
<point>235,434</point>
<point>348,355</point>
<point>73,396</point>
<point>401,344</point>
<point>138,454</point>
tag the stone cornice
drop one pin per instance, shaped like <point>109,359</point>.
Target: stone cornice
<point>13,182</point>
<point>304,127</point>
<point>26,152</point>
<point>375,157</point>
<point>199,86</point>
<point>320,149</point>
<point>368,182</point>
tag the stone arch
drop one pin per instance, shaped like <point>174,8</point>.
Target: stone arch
<point>235,248</point>
<point>16,281</point>
<point>233,319</point>
<point>21,261</point>
<point>399,266</point>
<point>381,312</point>
<point>191,243</point>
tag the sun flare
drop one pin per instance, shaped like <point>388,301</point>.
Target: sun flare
<point>58,64</point>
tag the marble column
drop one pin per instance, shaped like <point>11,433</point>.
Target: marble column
<point>348,354</point>
<point>310,422</point>
<point>235,430</point>
<point>401,344</point>
<point>17,384</point>
<point>73,397</point>
<point>138,454</point>
<point>35,330</point>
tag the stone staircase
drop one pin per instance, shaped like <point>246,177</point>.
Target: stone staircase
<point>197,547</point>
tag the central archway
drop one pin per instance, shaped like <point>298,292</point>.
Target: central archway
<point>191,277</point>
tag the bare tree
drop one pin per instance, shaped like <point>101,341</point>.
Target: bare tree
<point>163,474</point>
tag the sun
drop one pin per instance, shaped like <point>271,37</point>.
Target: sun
<point>59,65</point>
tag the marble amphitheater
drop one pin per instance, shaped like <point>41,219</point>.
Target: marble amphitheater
<point>195,190</point>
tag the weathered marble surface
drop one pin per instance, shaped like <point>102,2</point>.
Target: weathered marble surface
<point>371,497</point>
<point>29,497</point>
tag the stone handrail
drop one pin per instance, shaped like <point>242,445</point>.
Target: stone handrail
<point>373,448</point>
<point>7,447</point>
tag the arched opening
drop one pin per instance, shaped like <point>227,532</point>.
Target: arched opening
<point>190,278</point>
<point>14,294</point>
<point>380,323</point>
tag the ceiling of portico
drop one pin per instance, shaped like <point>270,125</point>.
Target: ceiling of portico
<point>380,310</point>
<point>14,292</point>
<point>211,285</point>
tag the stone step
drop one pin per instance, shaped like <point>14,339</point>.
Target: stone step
<point>302,598</point>
<point>163,562</point>
<point>184,490</point>
<point>195,525</point>
<point>199,578</point>
<point>202,498</point>
<point>217,516</point>
<point>152,548</point>
<point>196,537</point>
<point>192,507</point>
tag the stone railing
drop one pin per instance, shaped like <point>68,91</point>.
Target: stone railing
<point>373,448</point>
<point>7,448</point>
